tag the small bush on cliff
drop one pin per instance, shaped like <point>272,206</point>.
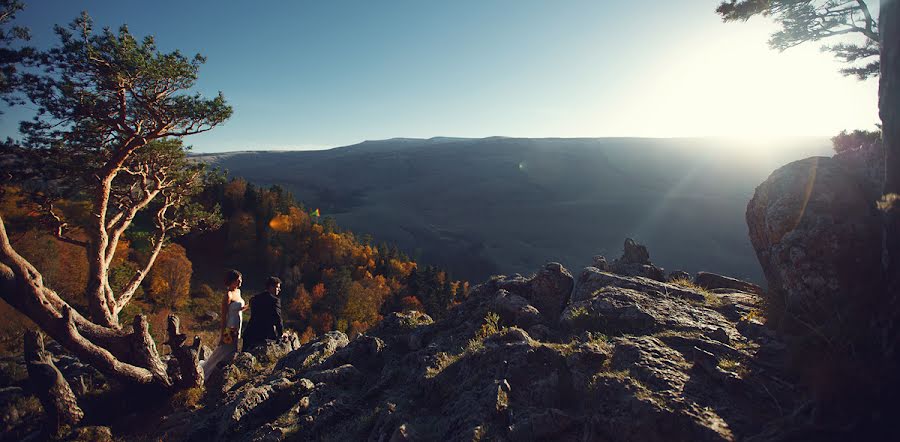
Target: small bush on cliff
<point>845,141</point>
<point>490,326</point>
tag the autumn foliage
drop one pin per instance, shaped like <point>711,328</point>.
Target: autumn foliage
<point>331,279</point>
<point>170,279</point>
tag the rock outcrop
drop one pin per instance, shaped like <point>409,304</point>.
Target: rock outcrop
<point>626,358</point>
<point>635,261</point>
<point>816,233</point>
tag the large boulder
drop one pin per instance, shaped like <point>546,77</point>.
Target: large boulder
<point>816,233</point>
<point>550,289</point>
<point>514,309</point>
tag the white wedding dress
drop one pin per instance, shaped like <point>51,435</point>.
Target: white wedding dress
<point>228,342</point>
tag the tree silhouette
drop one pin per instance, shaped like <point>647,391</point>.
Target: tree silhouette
<point>803,21</point>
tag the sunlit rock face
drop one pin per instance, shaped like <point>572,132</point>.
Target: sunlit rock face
<point>816,233</point>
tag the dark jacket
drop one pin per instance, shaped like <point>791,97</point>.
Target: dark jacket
<point>265,320</point>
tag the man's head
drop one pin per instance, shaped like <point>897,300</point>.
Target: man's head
<point>273,285</point>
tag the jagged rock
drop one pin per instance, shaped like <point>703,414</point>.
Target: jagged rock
<point>611,310</point>
<point>736,305</point>
<point>340,375</point>
<point>509,336</point>
<point>585,360</point>
<point>600,263</point>
<point>676,275</point>
<point>264,402</point>
<point>592,280</point>
<point>314,352</point>
<point>231,373</point>
<point>754,329</point>
<point>628,413</point>
<point>365,351</point>
<point>517,284</point>
<point>686,344</point>
<point>635,261</point>
<point>422,380</point>
<point>275,350</point>
<point>550,289</point>
<point>541,332</point>
<point>385,425</point>
<point>720,335</point>
<point>401,323</point>
<point>634,253</point>
<point>652,362</point>
<point>715,281</point>
<point>616,310</point>
<point>514,309</point>
<point>817,237</point>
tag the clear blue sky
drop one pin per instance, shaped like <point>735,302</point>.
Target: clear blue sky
<point>312,74</point>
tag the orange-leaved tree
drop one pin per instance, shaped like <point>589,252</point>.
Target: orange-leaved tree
<point>170,279</point>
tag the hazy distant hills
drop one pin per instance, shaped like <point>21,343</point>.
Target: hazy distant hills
<point>502,205</point>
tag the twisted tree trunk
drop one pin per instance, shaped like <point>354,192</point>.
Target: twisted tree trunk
<point>129,357</point>
<point>49,385</point>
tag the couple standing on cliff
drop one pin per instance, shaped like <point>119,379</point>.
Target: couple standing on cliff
<point>265,319</point>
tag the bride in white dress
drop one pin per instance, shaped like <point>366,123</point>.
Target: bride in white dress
<point>232,307</point>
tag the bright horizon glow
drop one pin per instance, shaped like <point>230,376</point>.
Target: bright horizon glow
<point>314,75</point>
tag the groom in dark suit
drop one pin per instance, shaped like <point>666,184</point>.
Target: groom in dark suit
<point>265,316</point>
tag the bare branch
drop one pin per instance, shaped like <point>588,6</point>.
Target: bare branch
<point>139,276</point>
<point>870,22</point>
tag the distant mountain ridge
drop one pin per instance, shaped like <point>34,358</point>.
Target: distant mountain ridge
<point>505,205</point>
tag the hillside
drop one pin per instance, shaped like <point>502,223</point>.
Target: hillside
<point>505,205</point>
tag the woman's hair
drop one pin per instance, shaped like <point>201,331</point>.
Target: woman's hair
<point>272,281</point>
<point>232,276</point>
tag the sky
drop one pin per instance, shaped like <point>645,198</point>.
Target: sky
<point>319,74</point>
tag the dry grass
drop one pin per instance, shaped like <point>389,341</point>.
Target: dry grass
<point>734,366</point>
<point>709,299</point>
<point>490,326</point>
<point>188,399</point>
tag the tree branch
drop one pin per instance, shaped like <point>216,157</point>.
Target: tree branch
<point>123,220</point>
<point>870,22</point>
<point>139,276</point>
